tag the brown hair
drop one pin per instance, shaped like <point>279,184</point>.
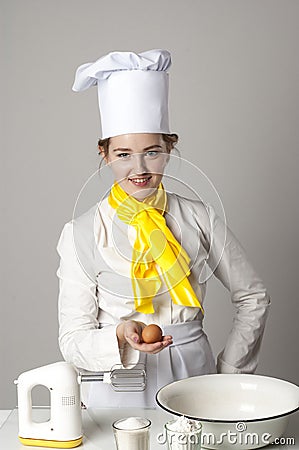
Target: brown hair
<point>170,140</point>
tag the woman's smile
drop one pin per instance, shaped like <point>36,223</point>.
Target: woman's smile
<point>138,162</point>
<point>140,181</point>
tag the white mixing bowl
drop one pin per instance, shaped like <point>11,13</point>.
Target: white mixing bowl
<point>236,411</point>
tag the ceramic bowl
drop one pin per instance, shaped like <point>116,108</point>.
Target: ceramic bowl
<point>236,410</point>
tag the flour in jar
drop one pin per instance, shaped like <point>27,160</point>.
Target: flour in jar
<point>184,425</point>
<point>183,434</point>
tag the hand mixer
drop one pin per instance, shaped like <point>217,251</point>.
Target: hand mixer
<point>64,428</point>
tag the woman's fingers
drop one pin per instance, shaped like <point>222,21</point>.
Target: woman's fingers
<point>132,333</point>
<point>151,348</point>
<point>168,337</point>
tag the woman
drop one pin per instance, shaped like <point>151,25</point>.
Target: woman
<point>137,256</point>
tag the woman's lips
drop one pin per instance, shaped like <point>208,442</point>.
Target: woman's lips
<point>141,181</point>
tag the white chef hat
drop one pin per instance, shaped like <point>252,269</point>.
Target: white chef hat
<point>132,91</point>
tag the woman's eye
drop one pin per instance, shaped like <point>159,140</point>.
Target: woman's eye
<point>151,153</point>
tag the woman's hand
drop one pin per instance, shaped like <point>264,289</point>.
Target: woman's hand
<point>130,331</point>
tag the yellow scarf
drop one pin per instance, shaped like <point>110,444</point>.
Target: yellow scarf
<point>154,243</point>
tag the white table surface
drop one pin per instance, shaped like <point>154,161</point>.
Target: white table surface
<point>4,413</point>
<point>98,432</point>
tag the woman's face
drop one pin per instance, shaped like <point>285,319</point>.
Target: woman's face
<point>138,161</point>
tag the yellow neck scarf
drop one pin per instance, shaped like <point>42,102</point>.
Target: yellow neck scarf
<point>154,243</point>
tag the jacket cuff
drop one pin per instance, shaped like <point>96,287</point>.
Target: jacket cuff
<point>224,367</point>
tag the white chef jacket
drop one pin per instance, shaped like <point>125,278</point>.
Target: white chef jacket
<point>95,290</point>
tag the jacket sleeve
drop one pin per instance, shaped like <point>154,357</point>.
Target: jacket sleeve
<point>81,341</point>
<point>228,260</point>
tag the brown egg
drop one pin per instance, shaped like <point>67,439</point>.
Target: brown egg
<point>151,333</point>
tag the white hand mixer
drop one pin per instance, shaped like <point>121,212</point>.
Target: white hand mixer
<point>64,428</point>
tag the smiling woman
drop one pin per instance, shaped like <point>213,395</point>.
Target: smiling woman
<point>136,257</point>
<point>170,140</point>
<point>138,160</point>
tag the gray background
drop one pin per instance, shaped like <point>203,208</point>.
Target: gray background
<point>234,103</point>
